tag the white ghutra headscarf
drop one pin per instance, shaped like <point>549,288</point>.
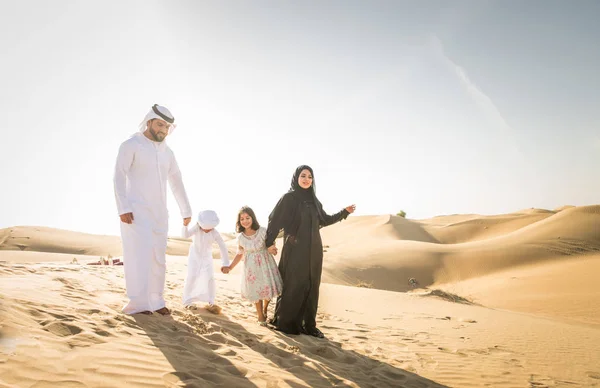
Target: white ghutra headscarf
<point>158,112</point>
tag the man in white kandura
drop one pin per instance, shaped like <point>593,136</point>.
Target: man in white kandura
<point>144,165</point>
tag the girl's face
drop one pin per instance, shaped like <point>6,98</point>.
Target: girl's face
<point>245,220</point>
<point>305,179</point>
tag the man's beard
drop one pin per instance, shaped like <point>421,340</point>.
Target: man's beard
<point>156,136</point>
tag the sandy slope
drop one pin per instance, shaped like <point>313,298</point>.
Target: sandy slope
<point>535,320</point>
<point>61,326</point>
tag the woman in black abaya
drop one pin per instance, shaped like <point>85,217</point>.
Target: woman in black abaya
<point>300,214</point>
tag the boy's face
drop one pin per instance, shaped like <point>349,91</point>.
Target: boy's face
<point>206,230</point>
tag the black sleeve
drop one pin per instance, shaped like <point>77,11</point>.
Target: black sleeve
<point>280,218</point>
<point>332,219</point>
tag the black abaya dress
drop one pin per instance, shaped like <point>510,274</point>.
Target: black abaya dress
<point>301,260</point>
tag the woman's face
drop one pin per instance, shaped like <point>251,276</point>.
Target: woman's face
<point>305,179</point>
<point>245,220</point>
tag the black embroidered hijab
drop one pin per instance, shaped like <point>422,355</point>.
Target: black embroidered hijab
<point>286,214</point>
<point>306,195</point>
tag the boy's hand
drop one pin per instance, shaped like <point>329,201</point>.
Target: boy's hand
<point>225,269</point>
<point>186,221</point>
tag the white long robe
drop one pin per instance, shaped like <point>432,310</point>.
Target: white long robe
<point>142,171</point>
<point>200,280</point>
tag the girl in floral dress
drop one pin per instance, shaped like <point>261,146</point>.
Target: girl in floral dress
<point>261,280</point>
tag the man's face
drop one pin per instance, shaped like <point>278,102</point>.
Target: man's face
<point>159,129</point>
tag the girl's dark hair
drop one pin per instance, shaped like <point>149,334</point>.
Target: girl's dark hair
<point>255,225</point>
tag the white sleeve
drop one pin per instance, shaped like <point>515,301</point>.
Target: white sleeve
<point>123,164</point>
<point>177,188</point>
<point>187,233</point>
<point>240,248</point>
<point>222,247</point>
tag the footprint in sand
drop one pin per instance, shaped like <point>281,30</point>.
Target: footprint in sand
<point>292,349</point>
<point>514,362</point>
<point>422,335</point>
<point>62,329</point>
<point>330,327</point>
<point>426,360</point>
<point>102,333</point>
<point>450,351</point>
<point>35,313</point>
<point>198,325</point>
<point>174,378</point>
<point>593,375</point>
<point>73,296</point>
<point>84,340</point>
<point>325,352</point>
<point>358,330</point>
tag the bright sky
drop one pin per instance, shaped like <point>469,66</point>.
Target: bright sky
<point>431,107</point>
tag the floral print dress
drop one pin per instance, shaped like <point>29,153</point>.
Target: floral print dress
<point>261,279</point>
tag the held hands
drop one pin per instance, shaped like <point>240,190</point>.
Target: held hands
<point>350,209</point>
<point>186,221</point>
<point>225,269</point>
<point>272,250</point>
<point>127,218</point>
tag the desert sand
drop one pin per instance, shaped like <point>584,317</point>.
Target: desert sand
<point>506,300</point>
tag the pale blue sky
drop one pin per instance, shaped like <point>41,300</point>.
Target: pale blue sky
<point>434,107</point>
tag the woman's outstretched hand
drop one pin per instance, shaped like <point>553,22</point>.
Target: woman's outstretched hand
<point>350,209</point>
<point>272,250</point>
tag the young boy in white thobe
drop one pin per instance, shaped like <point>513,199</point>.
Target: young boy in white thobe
<point>200,281</point>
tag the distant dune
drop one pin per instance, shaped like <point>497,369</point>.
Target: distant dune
<point>50,240</point>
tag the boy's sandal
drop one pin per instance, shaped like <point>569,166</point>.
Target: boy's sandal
<point>213,308</point>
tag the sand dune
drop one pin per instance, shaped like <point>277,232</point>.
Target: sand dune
<point>51,240</point>
<point>504,300</point>
<point>476,228</point>
<point>357,253</point>
<point>43,239</point>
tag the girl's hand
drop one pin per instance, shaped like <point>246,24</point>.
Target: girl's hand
<point>225,269</point>
<point>272,250</point>
<point>350,209</point>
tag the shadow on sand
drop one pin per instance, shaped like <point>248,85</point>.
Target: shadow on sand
<point>190,339</point>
